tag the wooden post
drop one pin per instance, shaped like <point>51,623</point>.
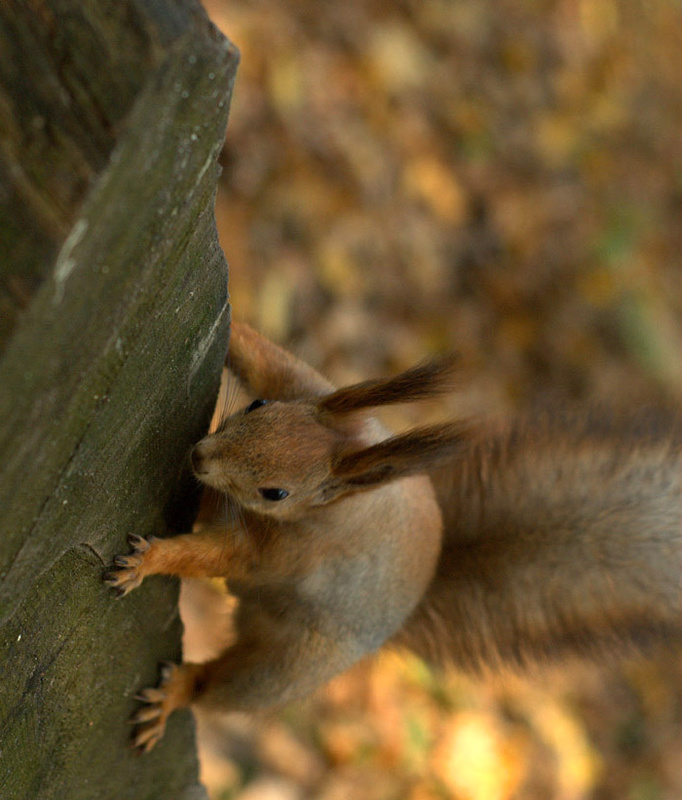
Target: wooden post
<point>113,329</point>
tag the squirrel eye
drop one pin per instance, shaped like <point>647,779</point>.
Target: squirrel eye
<point>274,494</point>
<point>253,406</point>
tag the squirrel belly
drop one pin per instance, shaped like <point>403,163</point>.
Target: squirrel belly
<point>378,576</point>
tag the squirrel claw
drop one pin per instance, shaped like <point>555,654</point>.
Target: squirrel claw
<point>148,737</point>
<point>151,695</point>
<point>160,701</point>
<point>122,580</point>
<point>126,572</point>
<point>139,543</point>
<point>145,714</point>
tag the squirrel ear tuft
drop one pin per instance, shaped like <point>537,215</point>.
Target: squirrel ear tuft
<point>429,379</point>
<point>407,454</point>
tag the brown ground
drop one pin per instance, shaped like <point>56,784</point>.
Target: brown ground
<point>500,178</point>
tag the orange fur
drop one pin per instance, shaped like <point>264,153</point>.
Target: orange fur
<point>478,547</point>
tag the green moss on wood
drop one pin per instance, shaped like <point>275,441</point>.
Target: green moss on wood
<point>104,386</point>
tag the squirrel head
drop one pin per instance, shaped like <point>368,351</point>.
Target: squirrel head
<point>282,458</point>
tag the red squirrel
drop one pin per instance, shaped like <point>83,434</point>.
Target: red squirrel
<point>471,545</point>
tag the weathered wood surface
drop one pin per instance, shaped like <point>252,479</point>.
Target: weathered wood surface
<point>113,299</point>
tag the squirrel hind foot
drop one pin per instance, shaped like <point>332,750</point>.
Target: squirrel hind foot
<point>174,691</point>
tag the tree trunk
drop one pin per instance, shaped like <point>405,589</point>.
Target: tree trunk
<point>113,330</point>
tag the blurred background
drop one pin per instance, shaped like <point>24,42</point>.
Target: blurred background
<point>503,179</point>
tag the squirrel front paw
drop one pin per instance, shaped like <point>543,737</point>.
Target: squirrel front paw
<point>174,691</point>
<point>127,572</point>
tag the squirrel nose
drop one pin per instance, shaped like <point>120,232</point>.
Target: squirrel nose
<point>196,460</point>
